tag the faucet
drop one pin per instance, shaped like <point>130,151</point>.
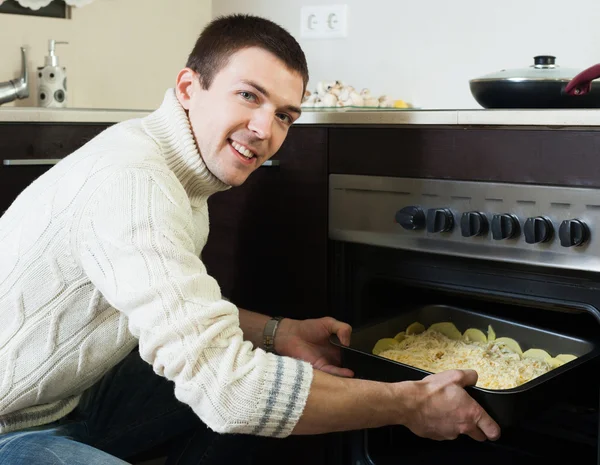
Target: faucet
<point>16,88</point>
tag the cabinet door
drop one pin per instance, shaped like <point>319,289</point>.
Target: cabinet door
<point>27,150</point>
<point>14,178</point>
<point>267,246</point>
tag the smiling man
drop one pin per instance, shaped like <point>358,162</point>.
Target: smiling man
<point>241,118</point>
<point>101,255</point>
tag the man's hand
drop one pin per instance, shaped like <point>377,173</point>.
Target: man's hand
<point>441,409</point>
<point>308,340</point>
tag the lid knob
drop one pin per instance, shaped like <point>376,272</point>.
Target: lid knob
<point>544,60</point>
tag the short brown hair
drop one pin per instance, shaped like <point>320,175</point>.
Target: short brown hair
<point>226,35</point>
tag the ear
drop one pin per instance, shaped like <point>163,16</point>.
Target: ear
<point>184,87</point>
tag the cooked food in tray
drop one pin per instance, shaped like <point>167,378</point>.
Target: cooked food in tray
<point>499,362</point>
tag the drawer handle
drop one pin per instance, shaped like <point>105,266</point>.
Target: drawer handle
<point>54,161</point>
<point>31,161</point>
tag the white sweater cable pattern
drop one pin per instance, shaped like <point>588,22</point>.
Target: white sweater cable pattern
<point>102,253</point>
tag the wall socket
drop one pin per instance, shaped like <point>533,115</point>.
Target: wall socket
<point>323,22</point>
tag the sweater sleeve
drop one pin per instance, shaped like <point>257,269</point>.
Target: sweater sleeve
<point>135,242</point>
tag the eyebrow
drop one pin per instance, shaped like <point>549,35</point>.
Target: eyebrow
<point>265,92</point>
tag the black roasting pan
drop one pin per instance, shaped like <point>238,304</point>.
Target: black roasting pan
<point>506,406</point>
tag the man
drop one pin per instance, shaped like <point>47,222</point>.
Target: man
<point>101,254</point>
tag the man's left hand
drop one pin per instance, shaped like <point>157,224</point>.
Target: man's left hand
<point>308,340</point>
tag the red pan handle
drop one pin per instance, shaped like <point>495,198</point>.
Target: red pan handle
<point>582,83</point>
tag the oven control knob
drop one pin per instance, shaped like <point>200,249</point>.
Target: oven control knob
<point>538,229</point>
<point>439,220</point>
<point>505,226</point>
<point>473,224</point>
<point>411,218</point>
<point>573,233</point>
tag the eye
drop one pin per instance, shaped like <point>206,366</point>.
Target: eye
<point>285,118</point>
<point>249,96</point>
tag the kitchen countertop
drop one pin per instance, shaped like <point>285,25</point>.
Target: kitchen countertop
<point>66,115</point>
<point>560,118</point>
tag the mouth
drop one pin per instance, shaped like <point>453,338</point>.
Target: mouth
<point>243,153</point>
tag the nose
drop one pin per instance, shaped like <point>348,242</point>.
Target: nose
<point>261,124</point>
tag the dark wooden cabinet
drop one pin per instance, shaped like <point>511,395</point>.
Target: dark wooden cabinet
<point>35,143</point>
<point>45,140</point>
<point>268,238</point>
<point>522,155</point>
<point>268,250</point>
<point>14,178</point>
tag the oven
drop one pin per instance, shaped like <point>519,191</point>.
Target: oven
<point>523,256</point>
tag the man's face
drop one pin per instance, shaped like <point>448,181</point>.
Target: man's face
<point>242,119</point>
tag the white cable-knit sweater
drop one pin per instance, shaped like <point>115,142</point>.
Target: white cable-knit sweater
<point>102,253</point>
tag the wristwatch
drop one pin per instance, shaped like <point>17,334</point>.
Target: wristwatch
<point>269,333</point>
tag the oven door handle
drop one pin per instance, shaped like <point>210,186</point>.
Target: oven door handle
<point>31,161</point>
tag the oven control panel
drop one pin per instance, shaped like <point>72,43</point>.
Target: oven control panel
<point>542,225</point>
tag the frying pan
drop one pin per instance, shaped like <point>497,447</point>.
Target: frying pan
<point>542,85</point>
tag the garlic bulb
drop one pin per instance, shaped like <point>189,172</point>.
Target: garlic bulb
<point>339,94</point>
<point>329,100</point>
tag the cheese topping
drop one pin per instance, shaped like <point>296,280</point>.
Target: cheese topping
<point>498,367</point>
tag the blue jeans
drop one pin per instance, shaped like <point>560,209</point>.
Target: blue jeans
<point>129,411</point>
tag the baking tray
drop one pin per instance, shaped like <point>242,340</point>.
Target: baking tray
<point>506,406</point>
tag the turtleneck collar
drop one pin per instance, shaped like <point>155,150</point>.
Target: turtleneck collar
<point>170,127</point>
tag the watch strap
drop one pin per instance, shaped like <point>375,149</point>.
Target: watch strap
<point>269,333</point>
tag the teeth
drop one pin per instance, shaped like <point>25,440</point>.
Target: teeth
<point>242,150</point>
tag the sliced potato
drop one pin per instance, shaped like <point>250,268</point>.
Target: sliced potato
<point>475,335</point>
<point>491,333</point>
<point>510,343</point>
<point>566,358</point>
<point>400,336</point>
<point>538,354</point>
<point>447,329</point>
<point>386,343</point>
<point>555,362</point>
<point>415,328</point>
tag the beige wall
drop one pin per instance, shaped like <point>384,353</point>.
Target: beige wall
<point>121,53</point>
<point>425,51</point>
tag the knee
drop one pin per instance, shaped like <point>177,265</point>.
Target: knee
<point>48,448</point>
<point>27,448</point>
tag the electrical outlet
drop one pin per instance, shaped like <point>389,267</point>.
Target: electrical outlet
<point>323,22</point>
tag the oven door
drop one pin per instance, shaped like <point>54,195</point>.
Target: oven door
<point>372,283</point>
